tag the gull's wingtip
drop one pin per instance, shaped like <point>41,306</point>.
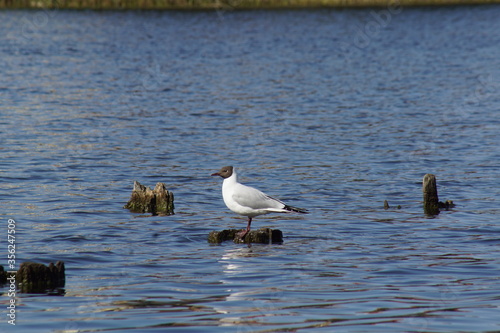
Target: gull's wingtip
<point>296,209</point>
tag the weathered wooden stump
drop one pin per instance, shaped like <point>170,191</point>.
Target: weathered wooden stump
<point>386,205</point>
<point>431,199</point>
<point>262,236</point>
<point>164,202</point>
<point>37,278</point>
<point>157,202</point>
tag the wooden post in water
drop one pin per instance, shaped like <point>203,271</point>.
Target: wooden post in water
<point>262,236</point>
<point>157,202</point>
<point>431,200</point>
<point>34,277</point>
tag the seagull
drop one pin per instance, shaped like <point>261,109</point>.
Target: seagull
<point>248,201</point>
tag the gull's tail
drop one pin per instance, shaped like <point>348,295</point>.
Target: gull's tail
<point>295,209</point>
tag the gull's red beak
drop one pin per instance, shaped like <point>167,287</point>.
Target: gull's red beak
<point>215,174</point>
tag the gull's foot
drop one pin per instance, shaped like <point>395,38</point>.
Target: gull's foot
<point>241,235</point>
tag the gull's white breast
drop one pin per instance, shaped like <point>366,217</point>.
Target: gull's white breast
<point>248,201</point>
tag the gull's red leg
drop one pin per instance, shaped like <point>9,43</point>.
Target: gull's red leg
<point>243,233</point>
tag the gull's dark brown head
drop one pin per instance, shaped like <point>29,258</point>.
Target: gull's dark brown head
<point>224,172</point>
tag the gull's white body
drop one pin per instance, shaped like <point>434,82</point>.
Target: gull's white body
<point>248,201</point>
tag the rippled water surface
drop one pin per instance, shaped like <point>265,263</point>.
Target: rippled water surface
<point>334,111</point>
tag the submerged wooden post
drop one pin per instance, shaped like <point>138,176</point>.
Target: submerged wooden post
<point>386,205</point>
<point>157,202</point>
<point>262,236</point>
<point>431,200</point>
<point>35,278</point>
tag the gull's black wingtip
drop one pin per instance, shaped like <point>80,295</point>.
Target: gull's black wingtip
<point>296,209</point>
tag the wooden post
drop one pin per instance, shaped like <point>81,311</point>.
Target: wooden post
<point>142,199</point>
<point>157,202</point>
<point>164,200</point>
<point>262,236</point>
<point>431,200</point>
<point>386,205</point>
<point>36,278</point>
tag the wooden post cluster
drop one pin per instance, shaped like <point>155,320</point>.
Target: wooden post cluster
<point>157,202</point>
<point>37,278</point>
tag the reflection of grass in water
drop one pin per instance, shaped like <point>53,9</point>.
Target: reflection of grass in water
<point>223,4</point>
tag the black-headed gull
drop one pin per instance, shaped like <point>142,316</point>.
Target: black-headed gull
<point>248,201</point>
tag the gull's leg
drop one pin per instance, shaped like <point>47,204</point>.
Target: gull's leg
<point>243,233</point>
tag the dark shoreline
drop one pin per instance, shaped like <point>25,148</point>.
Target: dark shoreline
<point>224,4</point>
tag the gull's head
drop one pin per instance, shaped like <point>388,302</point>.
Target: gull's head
<point>224,172</point>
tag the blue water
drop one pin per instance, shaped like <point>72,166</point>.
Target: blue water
<point>334,111</point>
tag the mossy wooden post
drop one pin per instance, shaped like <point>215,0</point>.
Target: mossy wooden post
<point>431,200</point>
<point>386,205</point>
<point>164,200</point>
<point>157,202</point>
<point>141,200</point>
<point>261,236</point>
<point>37,278</point>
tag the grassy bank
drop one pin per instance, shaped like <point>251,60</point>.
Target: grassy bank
<point>221,4</point>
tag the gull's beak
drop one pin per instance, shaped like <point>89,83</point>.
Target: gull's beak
<point>215,174</point>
